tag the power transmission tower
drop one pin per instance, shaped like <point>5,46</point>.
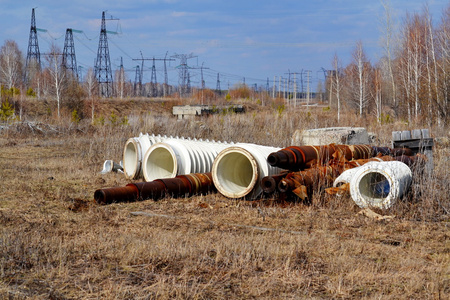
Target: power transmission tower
<point>183,70</point>
<point>203,81</point>
<point>69,60</point>
<point>33,62</point>
<point>153,79</point>
<point>138,82</point>
<point>102,68</point>
<point>218,83</point>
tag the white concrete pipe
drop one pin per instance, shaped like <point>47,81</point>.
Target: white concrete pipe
<point>180,156</point>
<point>380,184</point>
<point>347,175</point>
<point>134,151</point>
<point>237,171</point>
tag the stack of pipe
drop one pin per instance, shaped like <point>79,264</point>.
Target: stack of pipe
<point>180,186</point>
<point>314,167</point>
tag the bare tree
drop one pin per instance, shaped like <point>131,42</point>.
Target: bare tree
<point>11,64</point>
<point>388,39</point>
<point>377,80</point>
<point>358,72</point>
<point>91,86</point>
<point>57,74</point>
<point>336,83</point>
<point>414,45</point>
<point>444,65</point>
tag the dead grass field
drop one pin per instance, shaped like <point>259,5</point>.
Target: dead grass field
<point>57,243</point>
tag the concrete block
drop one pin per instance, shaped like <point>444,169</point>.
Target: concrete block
<point>336,135</point>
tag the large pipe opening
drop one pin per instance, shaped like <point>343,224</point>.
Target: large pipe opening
<point>159,162</point>
<point>374,188</point>
<point>131,159</point>
<point>235,173</point>
<point>380,184</point>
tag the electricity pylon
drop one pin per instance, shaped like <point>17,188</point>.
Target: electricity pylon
<point>33,62</point>
<point>69,60</point>
<point>183,71</point>
<point>102,69</point>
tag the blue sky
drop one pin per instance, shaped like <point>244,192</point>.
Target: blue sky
<point>254,40</point>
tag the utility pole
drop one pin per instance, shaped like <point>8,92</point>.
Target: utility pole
<point>166,77</point>
<point>121,78</point>
<point>102,69</point>
<point>69,59</point>
<point>33,62</point>
<point>274,82</point>
<point>308,74</point>
<point>295,90</point>
<point>288,84</point>
<point>279,86</point>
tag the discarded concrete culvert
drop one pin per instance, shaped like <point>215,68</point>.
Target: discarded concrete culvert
<point>380,184</point>
<point>237,171</point>
<point>180,156</point>
<point>134,151</point>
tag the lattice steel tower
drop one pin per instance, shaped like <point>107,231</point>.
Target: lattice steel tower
<point>33,62</point>
<point>153,79</point>
<point>218,84</point>
<point>69,60</point>
<point>102,69</point>
<point>183,70</point>
<point>138,82</point>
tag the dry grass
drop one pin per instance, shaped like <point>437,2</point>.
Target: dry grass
<point>56,243</point>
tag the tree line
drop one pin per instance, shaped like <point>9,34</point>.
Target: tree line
<point>412,79</point>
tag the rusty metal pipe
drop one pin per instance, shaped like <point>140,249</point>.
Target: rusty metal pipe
<point>127,193</point>
<point>269,184</point>
<point>183,185</point>
<point>302,183</point>
<point>295,158</point>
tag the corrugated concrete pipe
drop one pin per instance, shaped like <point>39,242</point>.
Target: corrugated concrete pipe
<point>180,186</point>
<point>180,156</point>
<point>380,184</point>
<point>134,151</point>
<point>237,171</point>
